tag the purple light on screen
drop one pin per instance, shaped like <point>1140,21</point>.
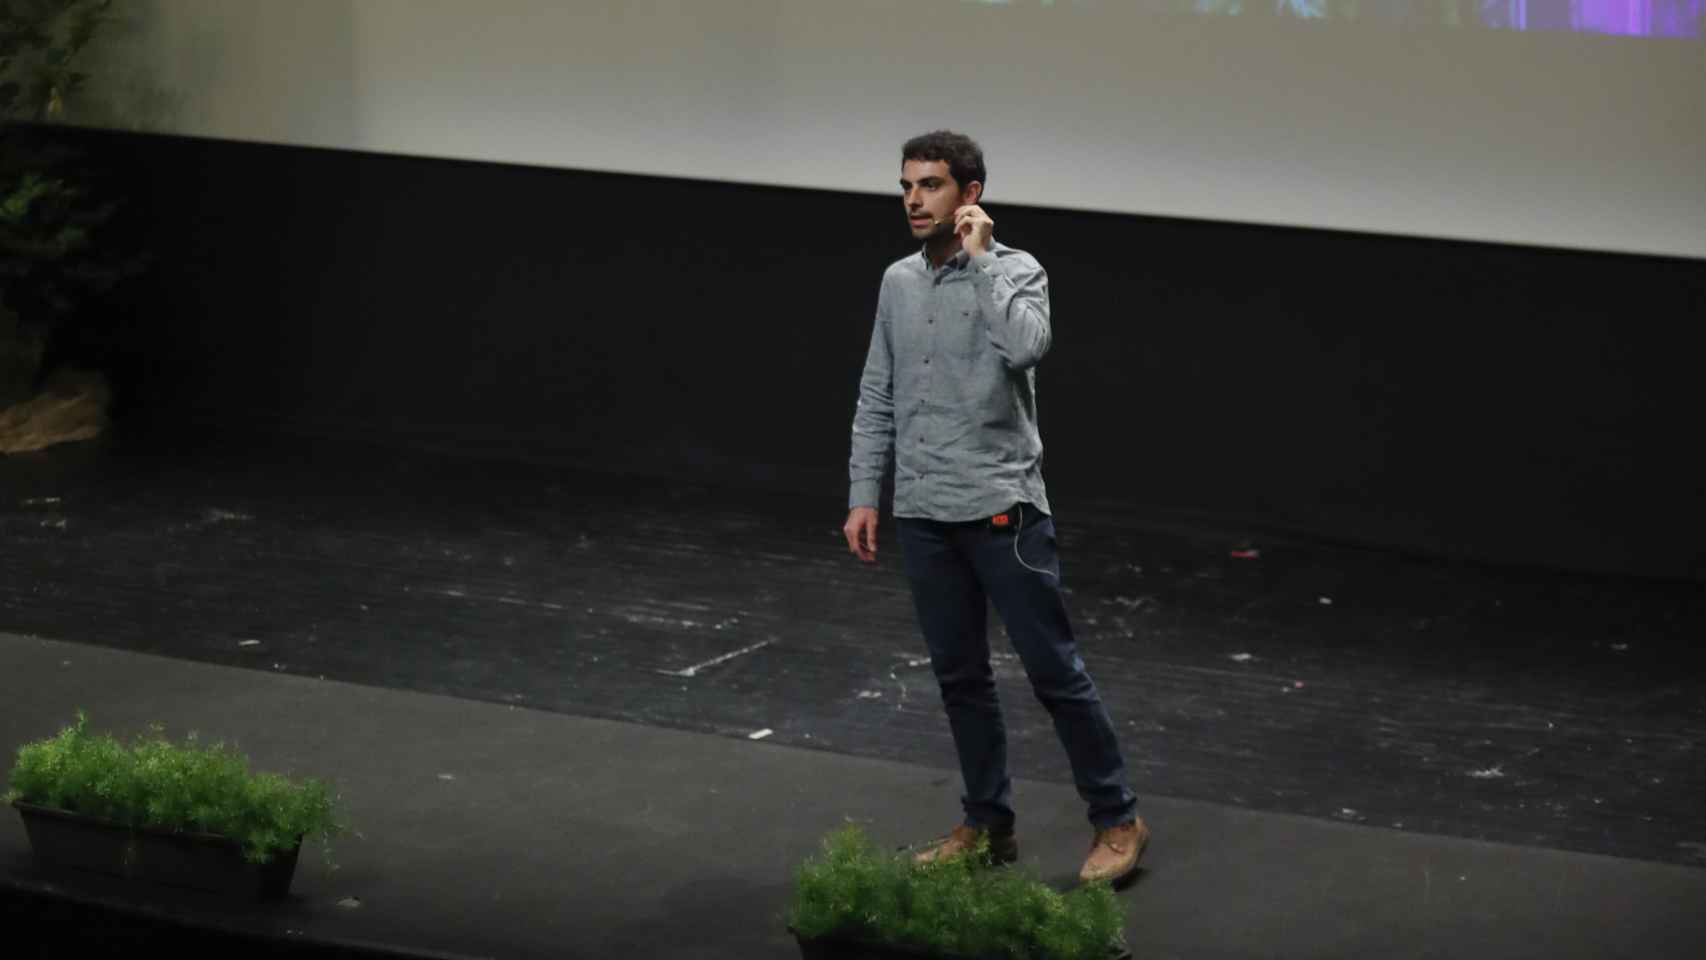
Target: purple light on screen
<point>1679,18</point>
<point>1638,18</point>
<point>1612,16</point>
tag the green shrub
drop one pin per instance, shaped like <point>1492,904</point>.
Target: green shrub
<point>957,906</point>
<point>155,783</point>
<point>63,250</point>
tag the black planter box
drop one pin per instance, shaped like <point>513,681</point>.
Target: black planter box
<point>834,948</point>
<point>64,840</point>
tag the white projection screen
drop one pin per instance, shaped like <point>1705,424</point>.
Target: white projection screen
<point>1567,123</point>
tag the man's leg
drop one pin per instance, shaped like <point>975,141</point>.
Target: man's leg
<point>952,612</point>
<point>1031,606</point>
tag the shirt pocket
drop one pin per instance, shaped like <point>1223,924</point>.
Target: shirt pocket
<point>962,336</point>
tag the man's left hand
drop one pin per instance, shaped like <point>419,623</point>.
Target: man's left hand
<point>974,228</point>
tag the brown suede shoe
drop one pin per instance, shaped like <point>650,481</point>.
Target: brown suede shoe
<point>1003,848</point>
<point>1114,853</point>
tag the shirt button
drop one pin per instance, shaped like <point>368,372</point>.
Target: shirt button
<point>926,359</point>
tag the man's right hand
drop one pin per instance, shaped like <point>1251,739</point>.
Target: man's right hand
<point>861,530</point>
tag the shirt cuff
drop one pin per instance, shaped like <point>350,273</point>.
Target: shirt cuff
<point>865,493</point>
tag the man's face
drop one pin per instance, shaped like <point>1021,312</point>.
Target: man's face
<point>931,197</point>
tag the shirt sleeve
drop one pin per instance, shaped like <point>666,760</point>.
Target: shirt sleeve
<point>873,419</point>
<point>1012,294</point>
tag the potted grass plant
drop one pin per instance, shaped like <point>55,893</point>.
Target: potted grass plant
<point>180,815</point>
<point>854,902</point>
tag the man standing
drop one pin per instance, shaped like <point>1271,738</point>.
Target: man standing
<point>949,393</point>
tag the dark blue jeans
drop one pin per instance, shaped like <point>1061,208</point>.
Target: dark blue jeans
<point>956,570</point>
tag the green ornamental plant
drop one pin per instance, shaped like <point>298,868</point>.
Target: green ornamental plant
<point>153,782</point>
<point>57,257</point>
<point>957,907</point>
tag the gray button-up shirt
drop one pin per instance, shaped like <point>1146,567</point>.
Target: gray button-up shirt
<point>949,388</point>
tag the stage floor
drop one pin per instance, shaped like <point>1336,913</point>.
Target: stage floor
<point>1310,729</point>
<point>504,831</point>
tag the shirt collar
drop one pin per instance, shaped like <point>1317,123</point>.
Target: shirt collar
<point>956,262</point>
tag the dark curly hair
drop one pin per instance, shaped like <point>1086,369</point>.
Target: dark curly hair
<point>962,154</point>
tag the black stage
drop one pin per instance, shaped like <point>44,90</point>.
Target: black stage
<point>536,684</point>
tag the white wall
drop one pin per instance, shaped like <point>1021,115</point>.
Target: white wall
<point>1553,139</point>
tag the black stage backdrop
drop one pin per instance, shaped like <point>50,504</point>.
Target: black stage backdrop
<point>1477,401</point>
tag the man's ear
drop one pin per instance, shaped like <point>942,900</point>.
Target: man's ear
<point>973,193</point>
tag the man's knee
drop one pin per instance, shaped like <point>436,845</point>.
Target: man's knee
<point>968,681</point>
<point>1062,682</point>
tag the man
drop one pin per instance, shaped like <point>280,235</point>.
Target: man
<point>949,392</point>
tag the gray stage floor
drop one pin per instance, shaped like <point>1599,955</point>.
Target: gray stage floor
<point>1533,707</point>
<point>496,830</point>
